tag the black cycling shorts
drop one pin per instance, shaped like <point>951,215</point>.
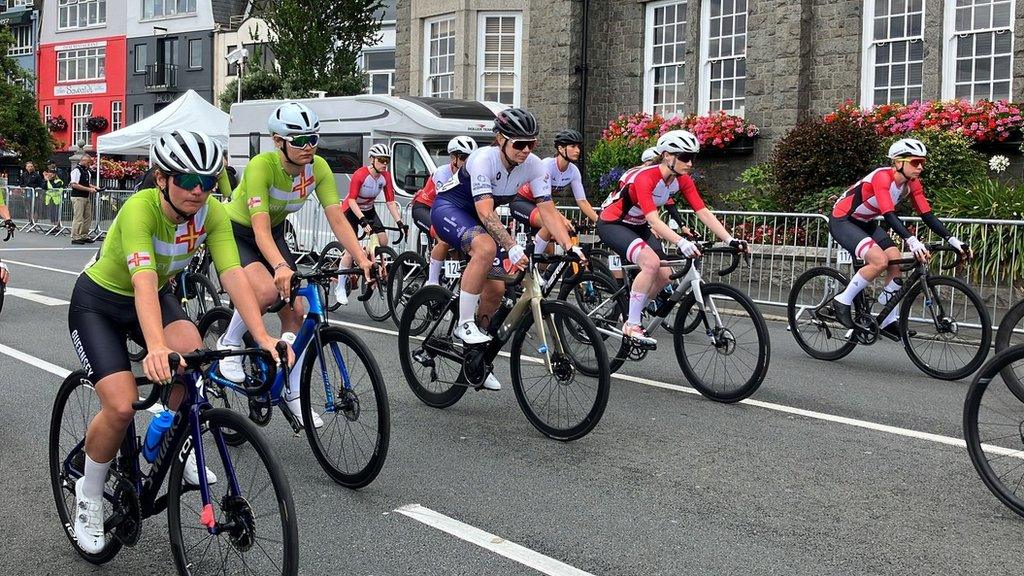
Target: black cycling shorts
<point>100,321</point>
<point>858,237</point>
<point>421,218</point>
<point>371,217</point>
<point>627,240</point>
<point>249,252</point>
<point>522,209</point>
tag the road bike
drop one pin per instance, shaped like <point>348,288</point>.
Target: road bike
<point>10,228</point>
<point>374,296</point>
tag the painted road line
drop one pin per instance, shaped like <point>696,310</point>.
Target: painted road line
<point>70,272</point>
<point>33,361</point>
<point>36,297</point>
<point>488,541</point>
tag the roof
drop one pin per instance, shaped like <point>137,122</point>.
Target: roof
<point>451,108</point>
<point>223,10</point>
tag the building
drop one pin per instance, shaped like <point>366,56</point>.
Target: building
<point>580,64</point>
<point>23,19</point>
<point>241,31</point>
<point>81,66</point>
<point>378,60</point>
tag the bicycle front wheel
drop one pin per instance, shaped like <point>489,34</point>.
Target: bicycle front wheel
<point>816,331</point>
<point>566,397</point>
<point>1011,333</point>
<point>376,304</point>
<point>993,420</point>
<point>952,330</point>
<point>598,297</point>
<point>408,274</point>
<point>200,296</point>
<point>342,380</point>
<point>251,505</point>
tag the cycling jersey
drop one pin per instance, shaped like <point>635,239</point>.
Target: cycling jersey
<point>143,238</point>
<point>427,194</point>
<point>266,188</point>
<point>644,193</point>
<point>878,194</point>
<point>2,202</point>
<point>485,176</point>
<point>561,182</point>
<point>364,189</point>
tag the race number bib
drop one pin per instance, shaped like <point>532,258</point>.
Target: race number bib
<point>452,268</point>
<point>843,257</point>
<point>614,263</point>
<point>521,239</point>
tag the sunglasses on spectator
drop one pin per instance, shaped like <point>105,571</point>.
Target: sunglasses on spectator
<point>915,162</point>
<point>190,181</point>
<point>303,140</point>
<point>685,156</point>
<point>524,144</point>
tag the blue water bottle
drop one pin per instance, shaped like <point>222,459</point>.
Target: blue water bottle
<point>158,426</point>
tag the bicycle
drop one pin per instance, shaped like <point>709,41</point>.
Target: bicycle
<point>234,528</point>
<point>993,419</point>
<point>353,443</point>
<point>10,228</point>
<point>376,306</point>
<point>441,368</point>
<point>733,332</point>
<point>961,325</point>
<point>1011,333</point>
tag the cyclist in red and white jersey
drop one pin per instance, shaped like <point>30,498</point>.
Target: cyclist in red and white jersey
<point>852,225</point>
<point>631,226</point>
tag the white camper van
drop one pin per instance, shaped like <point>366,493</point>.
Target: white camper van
<point>417,129</point>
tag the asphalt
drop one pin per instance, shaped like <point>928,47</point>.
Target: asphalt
<point>668,482</point>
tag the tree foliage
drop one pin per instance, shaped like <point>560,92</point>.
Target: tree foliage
<point>20,124</point>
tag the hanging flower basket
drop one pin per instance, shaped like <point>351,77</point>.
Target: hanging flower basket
<point>57,124</point>
<point>97,124</point>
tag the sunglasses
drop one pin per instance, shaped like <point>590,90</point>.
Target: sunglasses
<point>915,162</point>
<point>685,156</point>
<point>302,141</point>
<point>462,157</point>
<point>383,160</point>
<point>190,181</point>
<point>524,144</point>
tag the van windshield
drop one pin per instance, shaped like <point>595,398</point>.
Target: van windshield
<point>438,150</point>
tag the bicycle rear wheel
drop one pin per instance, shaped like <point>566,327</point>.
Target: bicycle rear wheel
<point>597,296</point>
<point>376,304</point>
<point>993,420</point>
<point>728,359</point>
<point>1011,333</point>
<point>342,380</point>
<point>953,330</point>
<point>431,376</point>
<point>408,274</point>
<point>253,510</point>
<point>200,295</point>
<point>819,335</point>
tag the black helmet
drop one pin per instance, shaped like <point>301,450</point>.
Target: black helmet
<point>566,137</point>
<point>516,123</point>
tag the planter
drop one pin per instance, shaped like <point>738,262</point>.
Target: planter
<point>742,146</point>
<point>1011,145</point>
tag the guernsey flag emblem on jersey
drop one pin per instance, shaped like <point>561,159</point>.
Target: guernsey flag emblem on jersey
<point>255,202</point>
<point>136,259</point>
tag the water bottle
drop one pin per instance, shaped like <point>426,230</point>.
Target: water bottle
<point>288,337</point>
<point>158,426</point>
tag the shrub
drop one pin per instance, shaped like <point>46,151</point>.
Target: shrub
<point>818,154</point>
<point>951,160</point>
<point>820,202</point>
<point>613,156</point>
<point>759,192</point>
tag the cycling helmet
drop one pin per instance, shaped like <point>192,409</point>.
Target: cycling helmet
<point>567,137</point>
<point>293,118</point>
<point>649,154</point>
<point>461,145</point>
<point>184,152</point>
<point>678,141</point>
<point>380,150</point>
<point>907,147</point>
<point>516,123</point>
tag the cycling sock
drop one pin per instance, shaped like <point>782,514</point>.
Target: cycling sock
<point>467,307</point>
<point>855,287</point>
<point>434,272</point>
<point>637,300</point>
<point>235,330</point>
<point>295,376</point>
<point>94,479</point>
<point>539,244</point>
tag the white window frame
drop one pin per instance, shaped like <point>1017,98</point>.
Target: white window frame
<point>47,113</point>
<point>426,53</point>
<point>19,4</point>
<point>188,54</point>
<point>950,47</point>
<point>116,115</point>
<point>69,57</point>
<point>191,9</point>
<point>138,112</point>
<point>78,122</point>
<point>96,14</point>
<point>868,48</point>
<point>22,40</point>
<point>704,84</point>
<point>649,52</point>
<point>389,72</point>
<point>517,67</point>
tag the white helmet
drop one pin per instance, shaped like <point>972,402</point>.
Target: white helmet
<point>461,145</point>
<point>907,147</point>
<point>293,118</point>
<point>184,152</point>
<point>378,150</point>
<point>649,154</point>
<point>677,141</point>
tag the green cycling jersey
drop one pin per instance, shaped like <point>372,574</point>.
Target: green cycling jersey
<point>266,188</point>
<point>2,202</point>
<point>142,237</point>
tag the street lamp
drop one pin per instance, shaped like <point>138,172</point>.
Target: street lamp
<point>238,56</point>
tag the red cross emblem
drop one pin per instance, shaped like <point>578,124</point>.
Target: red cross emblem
<point>191,235</point>
<point>138,259</point>
<point>304,185</point>
<point>255,202</point>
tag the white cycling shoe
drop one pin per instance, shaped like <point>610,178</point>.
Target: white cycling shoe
<point>230,367</point>
<point>491,383</point>
<point>295,405</point>
<point>88,521</point>
<point>470,333</point>
<point>191,474</point>
<point>341,293</point>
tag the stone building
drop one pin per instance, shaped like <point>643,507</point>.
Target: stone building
<point>581,63</point>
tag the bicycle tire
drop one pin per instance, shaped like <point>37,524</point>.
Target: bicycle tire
<point>408,274</point>
<point>203,295</point>
<point>376,305</point>
<point>63,485</point>
<point>331,337</point>
<point>1005,338</point>
<point>211,327</point>
<point>1005,441</point>
<point>211,422</point>
<point>430,303</point>
<point>136,351</point>
<point>697,376</point>
<point>559,313</point>
<point>926,365</point>
<point>3,289</point>
<point>810,300</point>
<point>605,312</point>
<point>330,258</point>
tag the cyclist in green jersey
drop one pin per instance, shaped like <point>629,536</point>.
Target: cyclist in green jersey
<point>275,184</point>
<point>125,294</point>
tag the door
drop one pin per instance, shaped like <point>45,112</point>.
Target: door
<point>409,170</point>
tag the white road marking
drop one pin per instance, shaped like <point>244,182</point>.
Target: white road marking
<point>488,541</point>
<point>36,297</point>
<point>70,272</point>
<point>33,361</point>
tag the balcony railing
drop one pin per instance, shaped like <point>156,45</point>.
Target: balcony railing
<point>161,77</point>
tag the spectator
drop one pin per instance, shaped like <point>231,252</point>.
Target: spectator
<point>32,181</point>
<point>54,190</point>
<point>232,177</point>
<point>82,198</point>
